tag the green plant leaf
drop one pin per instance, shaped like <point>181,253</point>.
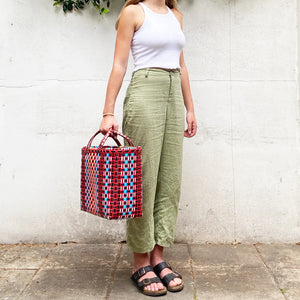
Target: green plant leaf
<point>70,6</point>
<point>101,5</point>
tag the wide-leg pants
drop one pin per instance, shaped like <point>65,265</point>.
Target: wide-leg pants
<point>154,118</point>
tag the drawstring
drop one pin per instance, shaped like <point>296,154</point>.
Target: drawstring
<point>147,72</point>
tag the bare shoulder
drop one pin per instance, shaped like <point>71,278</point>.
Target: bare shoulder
<point>131,10</point>
<point>133,13</point>
<point>178,14</point>
<point>176,11</point>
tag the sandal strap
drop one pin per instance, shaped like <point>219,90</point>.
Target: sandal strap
<point>159,267</point>
<point>141,284</point>
<point>169,277</point>
<point>141,272</point>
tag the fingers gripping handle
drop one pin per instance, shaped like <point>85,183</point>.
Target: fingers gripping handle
<point>112,133</point>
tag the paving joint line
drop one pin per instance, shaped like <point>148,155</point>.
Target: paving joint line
<point>270,271</point>
<point>192,271</point>
<point>34,274</point>
<point>113,273</point>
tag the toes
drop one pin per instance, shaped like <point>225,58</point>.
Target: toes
<point>175,281</point>
<point>154,287</point>
<point>160,286</point>
<point>172,283</point>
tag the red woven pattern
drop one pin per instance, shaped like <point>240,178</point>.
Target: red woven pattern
<point>111,181</point>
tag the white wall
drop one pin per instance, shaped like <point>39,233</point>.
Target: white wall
<point>241,172</point>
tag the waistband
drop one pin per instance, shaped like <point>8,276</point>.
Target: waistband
<point>163,70</point>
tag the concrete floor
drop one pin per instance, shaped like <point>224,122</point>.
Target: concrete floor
<point>102,271</point>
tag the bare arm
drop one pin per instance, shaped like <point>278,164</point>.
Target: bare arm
<point>185,86</point>
<point>186,91</point>
<point>122,49</point>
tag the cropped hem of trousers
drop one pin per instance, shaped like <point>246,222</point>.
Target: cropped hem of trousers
<point>154,118</point>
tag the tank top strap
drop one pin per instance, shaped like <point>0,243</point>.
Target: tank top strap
<point>144,7</point>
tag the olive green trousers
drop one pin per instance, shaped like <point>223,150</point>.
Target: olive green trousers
<point>154,118</point>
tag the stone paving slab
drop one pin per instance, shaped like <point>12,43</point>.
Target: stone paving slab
<point>280,256</point>
<point>284,263</point>
<point>178,256</point>
<point>97,271</point>
<point>218,255</point>
<point>12,282</point>
<point>236,283</point>
<point>69,284</point>
<point>289,282</point>
<point>28,256</point>
<point>83,256</point>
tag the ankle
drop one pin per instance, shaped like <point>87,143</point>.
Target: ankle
<point>156,260</point>
<point>140,260</point>
<point>156,255</point>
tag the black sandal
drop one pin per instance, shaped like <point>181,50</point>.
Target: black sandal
<point>169,277</point>
<point>141,284</point>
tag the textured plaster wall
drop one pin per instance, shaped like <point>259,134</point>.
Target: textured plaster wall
<point>241,172</point>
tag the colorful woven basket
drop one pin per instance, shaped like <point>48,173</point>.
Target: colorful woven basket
<point>111,178</point>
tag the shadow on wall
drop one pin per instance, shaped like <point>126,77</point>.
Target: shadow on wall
<point>187,1</point>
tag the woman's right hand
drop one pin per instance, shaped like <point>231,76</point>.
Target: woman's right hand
<point>108,122</point>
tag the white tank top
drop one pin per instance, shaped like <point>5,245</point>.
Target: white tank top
<point>158,42</point>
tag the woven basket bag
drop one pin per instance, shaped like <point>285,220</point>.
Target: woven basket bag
<point>111,178</point>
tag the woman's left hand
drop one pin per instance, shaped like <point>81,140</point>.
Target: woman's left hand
<point>192,125</point>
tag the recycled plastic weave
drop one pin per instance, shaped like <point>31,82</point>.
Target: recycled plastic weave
<point>111,179</point>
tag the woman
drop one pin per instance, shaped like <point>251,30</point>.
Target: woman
<point>153,118</point>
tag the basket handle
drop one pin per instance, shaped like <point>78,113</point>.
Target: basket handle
<point>113,134</point>
<point>91,139</point>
